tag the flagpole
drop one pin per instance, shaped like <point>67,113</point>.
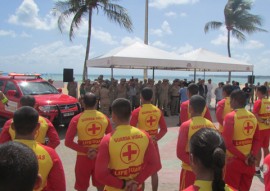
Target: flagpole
<point>146,33</point>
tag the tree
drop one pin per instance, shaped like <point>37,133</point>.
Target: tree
<point>79,9</point>
<point>238,20</point>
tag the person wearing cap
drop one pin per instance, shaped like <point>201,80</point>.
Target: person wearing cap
<point>87,86</point>
<point>113,91</point>
<point>122,89</point>
<point>104,99</point>
<point>163,97</point>
<point>203,89</point>
<point>50,81</point>
<point>174,91</point>
<point>72,88</point>
<point>209,93</point>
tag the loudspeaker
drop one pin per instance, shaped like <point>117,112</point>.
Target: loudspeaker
<point>67,75</point>
<point>251,79</point>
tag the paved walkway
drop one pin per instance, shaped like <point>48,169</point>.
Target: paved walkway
<point>171,166</point>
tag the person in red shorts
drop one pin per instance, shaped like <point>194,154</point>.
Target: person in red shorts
<point>241,136</point>
<point>25,123</point>
<point>224,106</point>
<point>149,118</point>
<point>266,172</point>
<point>46,128</point>
<point>90,126</point>
<point>261,110</point>
<point>185,115</point>
<point>187,129</point>
<point>207,158</point>
<point>127,156</point>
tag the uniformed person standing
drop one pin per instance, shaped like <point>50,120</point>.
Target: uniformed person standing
<point>104,99</point>
<point>122,89</point>
<point>164,91</point>
<point>175,97</point>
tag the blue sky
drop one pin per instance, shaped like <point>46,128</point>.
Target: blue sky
<point>31,42</point>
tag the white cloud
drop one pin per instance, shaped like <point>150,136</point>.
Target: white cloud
<point>183,14</point>
<point>25,35</point>
<point>165,29</point>
<point>51,58</point>
<point>103,36</point>
<point>254,44</point>
<point>157,32</point>
<point>183,49</point>
<point>222,39</point>
<point>161,4</point>
<point>129,40</point>
<point>171,14</point>
<point>7,33</point>
<point>160,44</point>
<point>28,15</point>
<point>82,32</point>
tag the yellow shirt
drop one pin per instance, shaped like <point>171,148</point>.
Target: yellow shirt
<point>40,133</point>
<point>127,148</point>
<point>45,162</point>
<point>149,116</point>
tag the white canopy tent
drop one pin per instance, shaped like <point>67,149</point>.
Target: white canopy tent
<point>141,56</point>
<point>138,56</point>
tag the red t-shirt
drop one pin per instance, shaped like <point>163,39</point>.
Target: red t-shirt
<point>184,113</point>
<point>161,122</point>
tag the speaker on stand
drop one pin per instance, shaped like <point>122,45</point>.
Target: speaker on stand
<point>67,75</point>
<point>251,79</point>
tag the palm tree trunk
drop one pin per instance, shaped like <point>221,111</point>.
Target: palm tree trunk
<point>228,43</point>
<point>85,73</point>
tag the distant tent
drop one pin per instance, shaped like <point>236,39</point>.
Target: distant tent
<point>142,56</point>
<point>205,60</point>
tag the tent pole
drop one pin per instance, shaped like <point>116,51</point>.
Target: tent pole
<point>230,76</point>
<point>194,75</point>
<point>111,72</point>
<point>252,90</point>
<point>153,73</point>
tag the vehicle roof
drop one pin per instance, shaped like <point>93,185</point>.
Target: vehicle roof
<point>22,78</point>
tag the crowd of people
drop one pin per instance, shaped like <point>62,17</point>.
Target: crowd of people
<point>122,156</point>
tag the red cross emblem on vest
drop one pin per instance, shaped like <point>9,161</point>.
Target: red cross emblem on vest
<point>249,127</point>
<point>129,152</point>
<point>151,120</point>
<point>268,108</point>
<point>93,128</point>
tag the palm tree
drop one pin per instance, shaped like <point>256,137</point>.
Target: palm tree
<point>78,9</point>
<point>238,21</point>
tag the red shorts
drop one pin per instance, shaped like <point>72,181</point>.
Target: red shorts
<point>264,138</point>
<point>84,169</point>
<point>157,149</point>
<point>238,174</point>
<point>187,178</point>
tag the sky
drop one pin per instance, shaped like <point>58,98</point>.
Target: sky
<point>30,40</point>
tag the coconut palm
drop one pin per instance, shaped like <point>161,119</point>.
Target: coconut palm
<point>238,20</point>
<point>79,9</point>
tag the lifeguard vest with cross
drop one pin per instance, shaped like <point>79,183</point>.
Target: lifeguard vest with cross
<point>149,116</point>
<point>245,124</point>
<point>91,128</point>
<point>127,149</point>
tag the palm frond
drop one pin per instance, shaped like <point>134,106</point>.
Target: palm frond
<point>76,21</point>
<point>238,35</point>
<point>212,25</point>
<point>119,15</point>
